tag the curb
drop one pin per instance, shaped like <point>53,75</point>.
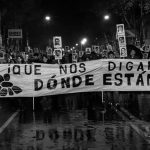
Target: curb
<point>5,125</point>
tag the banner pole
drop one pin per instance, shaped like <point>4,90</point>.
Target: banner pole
<point>33,104</point>
<point>59,61</point>
<point>102,97</point>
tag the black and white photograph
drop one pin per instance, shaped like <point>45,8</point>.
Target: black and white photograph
<point>57,42</point>
<point>74,75</point>
<point>74,51</point>
<point>81,53</point>
<point>74,57</point>
<point>49,51</point>
<point>120,29</point>
<point>121,40</point>
<point>66,48</point>
<point>97,49</point>
<point>88,50</point>
<point>58,54</point>
<point>123,51</point>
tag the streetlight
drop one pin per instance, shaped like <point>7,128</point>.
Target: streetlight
<point>83,41</point>
<point>106,17</point>
<point>47,18</point>
<point>77,44</point>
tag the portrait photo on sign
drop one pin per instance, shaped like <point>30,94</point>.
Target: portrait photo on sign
<point>96,49</point>
<point>88,50</point>
<point>123,51</point>
<point>120,28</point>
<point>147,48</point>
<point>57,41</point>
<point>74,57</point>
<point>58,54</point>
<point>121,40</point>
<point>145,55</point>
<point>81,53</point>
<point>66,48</point>
<point>93,48</point>
<point>74,51</point>
<point>49,51</point>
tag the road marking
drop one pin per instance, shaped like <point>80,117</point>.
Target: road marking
<point>4,126</point>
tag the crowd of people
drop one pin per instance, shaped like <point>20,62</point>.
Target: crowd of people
<point>43,57</point>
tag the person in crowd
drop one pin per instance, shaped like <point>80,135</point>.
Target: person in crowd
<point>134,55</point>
<point>50,60</point>
<point>111,55</point>
<point>45,59</point>
<point>148,55</point>
<point>36,58</point>
<point>19,60</point>
<point>134,52</point>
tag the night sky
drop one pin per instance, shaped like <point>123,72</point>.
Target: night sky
<point>71,19</point>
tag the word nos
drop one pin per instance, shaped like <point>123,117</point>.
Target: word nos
<point>126,73</point>
<point>70,79</point>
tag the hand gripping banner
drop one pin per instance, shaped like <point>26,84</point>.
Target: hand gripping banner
<point>34,80</point>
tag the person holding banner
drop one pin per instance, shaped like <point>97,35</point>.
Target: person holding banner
<point>111,55</point>
<point>133,52</point>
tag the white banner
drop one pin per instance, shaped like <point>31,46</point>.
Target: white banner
<point>28,80</point>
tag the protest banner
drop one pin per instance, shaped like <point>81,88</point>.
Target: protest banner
<point>34,80</point>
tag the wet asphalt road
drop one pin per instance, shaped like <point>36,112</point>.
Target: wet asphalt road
<point>70,130</point>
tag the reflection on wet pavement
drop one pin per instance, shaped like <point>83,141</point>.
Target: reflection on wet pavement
<point>70,130</point>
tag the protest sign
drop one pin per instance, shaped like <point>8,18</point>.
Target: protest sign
<point>66,48</point>
<point>123,51</point>
<point>88,50</point>
<point>49,51</point>
<point>15,33</point>
<point>121,40</point>
<point>120,29</point>
<point>97,49</point>
<point>145,55</point>
<point>81,53</point>
<point>74,51</point>
<point>57,41</point>
<point>34,80</point>
<point>58,54</point>
<point>75,57</point>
